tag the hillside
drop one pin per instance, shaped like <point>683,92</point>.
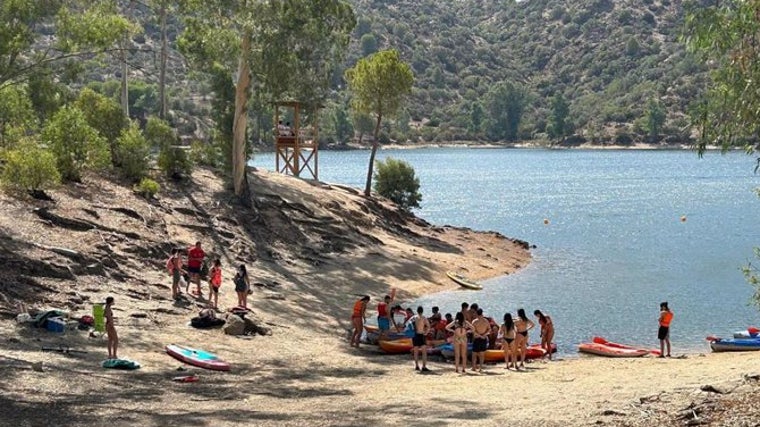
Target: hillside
<point>608,58</point>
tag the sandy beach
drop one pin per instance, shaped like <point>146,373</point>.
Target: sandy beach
<point>305,373</point>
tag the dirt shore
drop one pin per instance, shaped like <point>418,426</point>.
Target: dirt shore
<point>311,248</point>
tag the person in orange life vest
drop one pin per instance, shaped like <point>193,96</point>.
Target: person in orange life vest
<point>215,281</point>
<point>663,334</point>
<point>195,257</point>
<point>357,319</point>
<point>384,317</point>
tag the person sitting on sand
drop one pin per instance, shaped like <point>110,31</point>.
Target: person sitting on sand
<point>421,328</point>
<point>215,281</point>
<point>384,317</point>
<point>522,326</point>
<point>547,331</point>
<point>480,330</point>
<point>357,319</point>
<point>458,329</point>
<point>663,334</point>
<point>113,338</point>
<point>507,333</point>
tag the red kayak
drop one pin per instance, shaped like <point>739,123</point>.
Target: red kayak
<point>600,340</point>
<point>608,351</point>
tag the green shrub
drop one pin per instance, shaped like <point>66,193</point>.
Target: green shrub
<point>172,158</point>
<point>204,153</point>
<point>29,168</point>
<point>134,151</point>
<point>147,188</point>
<point>76,145</point>
<point>395,180</point>
<point>104,115</point>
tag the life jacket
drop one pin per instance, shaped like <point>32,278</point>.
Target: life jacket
<point>667,317</point>
<point>358,308</point>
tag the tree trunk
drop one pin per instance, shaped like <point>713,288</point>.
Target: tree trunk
<point>124,84</point>
<point>368,187</point>
<point>239,157</point>
<point>162,73</point>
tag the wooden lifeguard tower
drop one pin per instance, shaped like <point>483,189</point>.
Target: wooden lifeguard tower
<point>297,147</point>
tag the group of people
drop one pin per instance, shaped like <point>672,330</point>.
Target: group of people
<point>468,327</point>
<point>195,267</point>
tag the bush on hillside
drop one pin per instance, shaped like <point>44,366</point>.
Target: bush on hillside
<point>76,145</point>
<point>395,180</point>
<point>173,159</point>
<point>147,188</point>
<point>133,150</point>
<point>29,168</point>
<point>104,115</point>
<point>205,153</point>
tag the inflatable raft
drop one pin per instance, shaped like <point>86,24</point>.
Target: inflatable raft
<point>735,344</point>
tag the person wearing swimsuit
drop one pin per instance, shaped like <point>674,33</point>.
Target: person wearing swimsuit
<point>522,326</point>
<point>507,333</point>
<point>480,330</point>
<point>421,329</point>
<point>547,332</point>
<point>459,328</point>
<point>357,319</point>
<point>113,338</point>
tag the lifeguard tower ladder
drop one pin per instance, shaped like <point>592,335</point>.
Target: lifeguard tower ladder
<point>297,148</point>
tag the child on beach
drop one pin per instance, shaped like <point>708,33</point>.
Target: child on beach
<point>113,338</point>
<point>357,319</point>
<point>174,265</point>
<point>215,281</point>
<point>547,331</point>
<point>663,334</point>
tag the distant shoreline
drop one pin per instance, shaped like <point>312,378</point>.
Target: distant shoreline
<point>501,145</point>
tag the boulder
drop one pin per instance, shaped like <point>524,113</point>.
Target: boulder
<point>235,325</point>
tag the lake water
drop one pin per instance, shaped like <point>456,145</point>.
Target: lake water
<point>615,245</point>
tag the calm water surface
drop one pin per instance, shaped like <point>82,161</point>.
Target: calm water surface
<point>615,245</point>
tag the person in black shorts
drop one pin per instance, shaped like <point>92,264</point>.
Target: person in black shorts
<point>481,327</point>
<point>421,329</point>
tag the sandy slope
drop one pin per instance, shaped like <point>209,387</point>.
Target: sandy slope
<point>318,246</point>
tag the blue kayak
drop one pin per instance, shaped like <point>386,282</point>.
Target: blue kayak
<point>735,344</point>
<point>447,350</point>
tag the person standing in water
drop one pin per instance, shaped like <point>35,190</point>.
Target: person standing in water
<point>547,331</point>
<point>421,329</point>
<point>663,334</point>
<point>459,328</point>
<point>507,333</point>
<point>113,338</point>
<point>522,326</point>
<point>357,319</point>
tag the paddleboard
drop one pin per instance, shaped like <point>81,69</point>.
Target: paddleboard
<point>197,357</point>
<point>463,281</point>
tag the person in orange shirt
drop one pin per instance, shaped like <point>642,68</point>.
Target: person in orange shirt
<point>666,316</point>
<point>357,319</point>
<point>215,281</point>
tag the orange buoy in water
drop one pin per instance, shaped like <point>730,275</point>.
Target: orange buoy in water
<point>546,221</point>
<point>683,218</point>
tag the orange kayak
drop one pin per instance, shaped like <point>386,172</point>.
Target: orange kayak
<point>600,340</point>
<point>403,345</point>
<point>533,352</point>
<point>609,351</point>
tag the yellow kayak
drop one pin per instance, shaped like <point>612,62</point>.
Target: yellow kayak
<point>463,281</point>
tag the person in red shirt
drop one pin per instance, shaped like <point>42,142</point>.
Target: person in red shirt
<point>195,256</point>
<point>384,317</point>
